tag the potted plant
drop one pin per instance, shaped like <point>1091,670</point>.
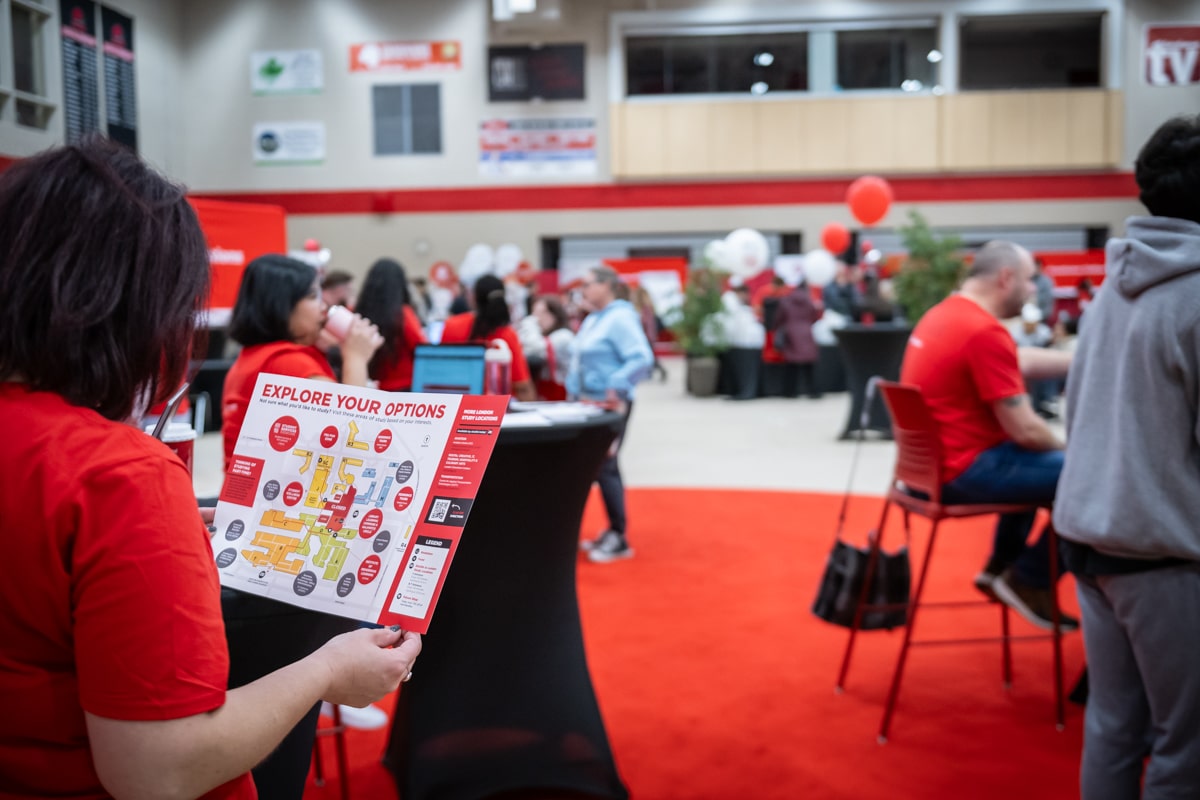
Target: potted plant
<point>698,328</point>
<point>933,269</point>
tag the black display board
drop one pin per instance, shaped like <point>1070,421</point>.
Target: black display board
<point>120,95</point>
<point>526,72</point>
<point>81,83</point>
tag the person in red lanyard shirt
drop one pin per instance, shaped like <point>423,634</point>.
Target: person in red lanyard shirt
<point>385,301</point>
<point>489,321</point>
<point>114,664</point>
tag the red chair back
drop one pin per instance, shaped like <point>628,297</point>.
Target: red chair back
<point>918,449</point>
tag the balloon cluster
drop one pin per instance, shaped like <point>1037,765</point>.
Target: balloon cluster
<point>743,253</point>
<point>869,199</point>
<point>481,260</point>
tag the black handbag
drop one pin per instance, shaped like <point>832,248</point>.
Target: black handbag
<point>886,604</point>
<point>888,579</point>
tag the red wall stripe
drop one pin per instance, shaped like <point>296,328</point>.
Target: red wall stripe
<point>950,188</point>
<point>957,188</point>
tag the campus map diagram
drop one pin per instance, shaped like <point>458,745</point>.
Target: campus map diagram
<point>325,494</point>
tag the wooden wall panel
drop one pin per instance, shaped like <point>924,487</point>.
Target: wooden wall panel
<point>643,140</point>
<point>966,140</point>
<point>778,137</point>
<point>731,132</point>
<point>688,139</point>
<point>974,131</point>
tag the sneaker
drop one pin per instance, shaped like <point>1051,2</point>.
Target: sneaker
<point>369,718</point>
<point>590,544</point>
<point>611,547</point>
<point>1035,605</point>
<point>984,580</point>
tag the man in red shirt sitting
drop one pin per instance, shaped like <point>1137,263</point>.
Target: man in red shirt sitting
<point>995,448</point>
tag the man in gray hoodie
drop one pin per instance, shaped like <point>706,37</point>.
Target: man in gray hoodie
<point>1128,506</point>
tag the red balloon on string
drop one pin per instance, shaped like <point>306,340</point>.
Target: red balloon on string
<point>835,238</point>
<point>869,198</point>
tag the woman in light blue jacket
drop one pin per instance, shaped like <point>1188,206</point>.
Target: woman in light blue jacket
<point>611,355</point>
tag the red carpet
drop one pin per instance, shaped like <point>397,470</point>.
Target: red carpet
<point>715,681</point>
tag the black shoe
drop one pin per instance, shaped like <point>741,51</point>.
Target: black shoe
<point>1034,604</point>
<point>611,548</point>
<point>985,579</point>
<point>587,545</point>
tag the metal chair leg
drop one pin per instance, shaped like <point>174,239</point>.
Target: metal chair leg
<point>913,605</point>
<point>872,560</point>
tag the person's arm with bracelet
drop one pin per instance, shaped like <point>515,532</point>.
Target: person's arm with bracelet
<point>186,757</point>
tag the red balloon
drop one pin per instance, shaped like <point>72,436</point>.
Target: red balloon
<point>835,238</point>
<point>312,245</point>
<point>869,198</point>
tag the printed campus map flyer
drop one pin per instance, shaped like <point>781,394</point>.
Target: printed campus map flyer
<point>349,500</point>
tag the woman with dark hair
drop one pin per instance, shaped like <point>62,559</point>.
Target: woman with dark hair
<point>278,318</point>
<point>490,321</point>
<point>385,301</point>
<point>113,678</point>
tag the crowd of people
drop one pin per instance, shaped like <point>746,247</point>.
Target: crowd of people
<point>120,570</point>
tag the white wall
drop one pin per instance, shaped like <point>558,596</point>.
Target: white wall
<point>221,34</point>
<point>1147,107</point>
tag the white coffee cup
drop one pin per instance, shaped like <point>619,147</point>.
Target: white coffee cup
<point>338,321</point>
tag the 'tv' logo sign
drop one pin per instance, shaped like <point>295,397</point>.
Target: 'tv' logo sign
<point>1172,55</point>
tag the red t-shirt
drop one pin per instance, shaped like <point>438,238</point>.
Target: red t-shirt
<point>963,360</point>
<point>458,331</point>
<point>397,376</point>
<point>276,358</point>
<point>111,603</point>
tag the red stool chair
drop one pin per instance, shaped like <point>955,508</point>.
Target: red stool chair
<point>917,475</point>
<point>338,731</point>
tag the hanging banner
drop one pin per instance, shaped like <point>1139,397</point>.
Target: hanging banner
<point>287,72</point>
<point>289,143</point>
<point>120,91</point>
<point>406,57</point>
<point>81,80</point>
<point>1172,55</point>
<point>547,146</point>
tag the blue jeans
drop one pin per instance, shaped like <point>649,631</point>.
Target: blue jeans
<point>1010,474</point>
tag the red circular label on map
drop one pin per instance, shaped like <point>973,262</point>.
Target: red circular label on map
<point>329,436</point>
<point>292,493</point>
<point>403,498</point>
<point>383,441</point>
<point>284,433</point>
<point>371,522</point>
<point>369,570</point>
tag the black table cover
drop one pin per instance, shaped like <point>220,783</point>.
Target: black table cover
<point>869,350</point>
<point>501,699</point>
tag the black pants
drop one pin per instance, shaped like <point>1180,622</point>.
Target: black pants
<point>612,489</point>
<point>801,375</point>
<point>263,636</point>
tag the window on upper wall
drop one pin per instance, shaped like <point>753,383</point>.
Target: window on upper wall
<point>407,119</point>
<point>1030,52</point>
<point>891,58</point>
<point>27,22</point>
<point>728,64</point>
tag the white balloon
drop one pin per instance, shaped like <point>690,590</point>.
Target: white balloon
<point>718,255</point>
<point>479,261</point>
<point>820,267</point>
<point>750,252</point>
<point>508,258</point>
<point>790,268</point>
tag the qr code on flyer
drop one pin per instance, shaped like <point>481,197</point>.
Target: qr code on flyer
<point>440,508</point>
